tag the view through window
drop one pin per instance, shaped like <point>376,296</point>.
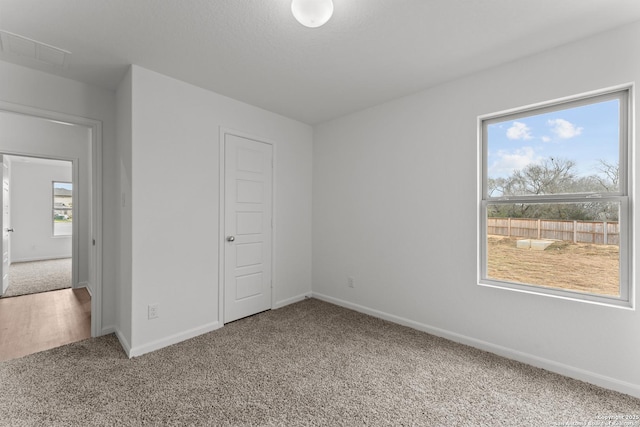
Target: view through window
<point>554,206</point>
<point>62,208</point>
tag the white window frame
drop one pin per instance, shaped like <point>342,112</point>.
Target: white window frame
<point>625,94</point>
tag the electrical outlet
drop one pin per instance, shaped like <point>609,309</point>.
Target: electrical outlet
<point>350,283</point>
<point>153,311</point>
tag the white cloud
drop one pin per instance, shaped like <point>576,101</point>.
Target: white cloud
<point>519,130</point>
<point>564,129</point>
<point>546,139</point>
<point>508,161</point>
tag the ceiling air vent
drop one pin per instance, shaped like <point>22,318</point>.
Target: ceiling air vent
<point>23,46</point>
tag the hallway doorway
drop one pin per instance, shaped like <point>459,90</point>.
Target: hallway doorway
<point>41,134</point>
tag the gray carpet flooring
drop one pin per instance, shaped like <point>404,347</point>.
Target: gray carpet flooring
<point>310,363</point>
<point>38,276</point>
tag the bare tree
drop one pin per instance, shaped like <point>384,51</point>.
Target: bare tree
<point>496,187</point>
<point>611,176</point>
<point>555,176</point>
<point>551,176</point>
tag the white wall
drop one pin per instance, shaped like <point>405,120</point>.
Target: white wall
<point>384,178</point>
<point>31,195</point>
<point>28,87</point>
<point>123,291</point>
<point>175,204</point>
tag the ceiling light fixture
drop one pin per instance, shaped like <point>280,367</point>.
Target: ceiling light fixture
<point>312,13</point>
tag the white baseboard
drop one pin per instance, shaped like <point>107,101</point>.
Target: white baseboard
<point>529,359</point>
<point>123,342</point>
<point>41,258</point>
<point>291,300</point>
<point>84,285</point>
<point>108,330</point>
<point>172,339</point>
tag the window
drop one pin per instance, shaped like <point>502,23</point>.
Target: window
<point>62,208</point>
<point>554,201</point>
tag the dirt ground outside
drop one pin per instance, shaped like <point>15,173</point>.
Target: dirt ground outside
<point>566,265</point>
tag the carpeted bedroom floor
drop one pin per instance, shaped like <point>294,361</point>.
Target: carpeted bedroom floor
<point>33,277</point>
<point>310,363</point>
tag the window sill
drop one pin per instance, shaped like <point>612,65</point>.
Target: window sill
<point>560,294</point>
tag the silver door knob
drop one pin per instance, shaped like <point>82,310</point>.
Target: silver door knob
<point>10,230</point>
<point>230,238</point>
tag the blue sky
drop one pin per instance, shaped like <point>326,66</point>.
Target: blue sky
<point>583,134</point>
<point>65,185</point>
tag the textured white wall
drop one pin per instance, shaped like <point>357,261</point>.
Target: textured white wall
<point>384,178</point>
<point>123,288</point>
<point>175,204</point>
<point>41,90</point>
<point>32,212</point>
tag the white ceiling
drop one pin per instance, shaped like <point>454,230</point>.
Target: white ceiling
<point>371,51</point>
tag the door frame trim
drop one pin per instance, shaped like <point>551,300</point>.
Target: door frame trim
<point>95,167</point>
<point>221,213</point>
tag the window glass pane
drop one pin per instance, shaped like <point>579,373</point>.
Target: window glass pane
<point>568,246</point>
<point>62,208</point>
<point>574,150</point>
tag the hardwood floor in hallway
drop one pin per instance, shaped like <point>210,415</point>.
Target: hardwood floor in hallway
<point>37,322</point>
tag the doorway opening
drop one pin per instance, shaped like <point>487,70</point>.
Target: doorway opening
<point>71,218</point>
<point>48,306</point>
<point>37,224</point>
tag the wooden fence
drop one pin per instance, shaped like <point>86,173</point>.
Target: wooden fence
<point>597,232</point>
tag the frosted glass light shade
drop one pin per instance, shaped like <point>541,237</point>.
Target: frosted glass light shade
<point>312,13</point>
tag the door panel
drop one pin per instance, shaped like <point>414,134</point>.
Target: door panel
<point>5,225</point>
<point>249,285</point>
<point>248,222</point>
<point>249,191</point>
<point>249,254</point>
<point>248,234</point>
